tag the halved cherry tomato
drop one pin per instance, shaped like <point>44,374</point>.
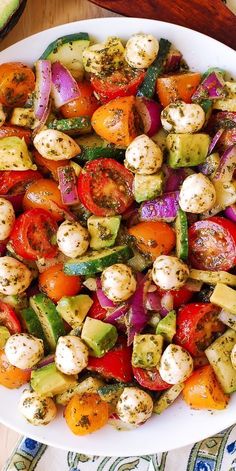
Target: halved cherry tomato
<point>16,82</point>
<point>9,319</point>
<point>85,105</point>
<point>86,413</point>
<point>155,238</point>
<point>32,234</point>
<point>48,166</point>
<point>212,244</point>
<point>56,284</point>
<point>105,187</point>
<point>97,311</point>
<point>202,390</point>
<point>45,194</point>
<point>10,376</point>
<point>180,296</point>
<point>197,327</point>
<point>150,379</point>
<point>115,364</point>
<point>15,182</point>
<point>120,83</point>
<point>10,131</point>
<point>177,87</point>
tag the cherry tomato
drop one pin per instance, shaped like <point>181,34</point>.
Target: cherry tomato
<point>47,166</point>
<point>115,364</point>
<point>16,182</point>
<point>197,327</point>
<point>9,319</point>
<point>120,83</point>
<point>9,130</point>
<point>150,379</point>
<point>180,296</point>
<point>45,194</point>
<point>86,413</point>
<point>155,238</point>
<point>32,234</point>
<point>16,82</point>
<point>10,376</point>
<point>212,244</point>
<point>97,311</point>
<point>180,86</point>
<point>56,284</point>
<point>105,187</point>
<point>85,105</point>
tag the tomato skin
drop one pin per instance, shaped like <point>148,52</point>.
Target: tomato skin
<point>105,187</point>
<point>118,84</point>
<point>175,87</point>
<point>180,296</point>
<point>155,238</point>
<point>16,182</point>
<point>9,319</point>
<point>56,284</point>
<point>197,327</point>
<point>86,413</point>
<point>10,376</point>
<point>115,364</point>
<point>45,194</point>
<point>150,379</point>
<point>9,130</point>
<point>97,311</point>
<point>212,244</point>
<point>85,105</point>
<point>16,82</point>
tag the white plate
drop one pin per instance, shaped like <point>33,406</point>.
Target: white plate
<point>179,425</point>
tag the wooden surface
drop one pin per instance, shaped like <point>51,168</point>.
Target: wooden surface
<point>39,15</point>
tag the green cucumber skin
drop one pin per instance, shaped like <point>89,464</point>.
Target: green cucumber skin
<point>181,227</point>
<point>55,327</point>
<point>75,125</point>
<point>33,325</point>
<point>63,40</point>
<point>90,267</point>
<point>91,153</point>
<point>148,86</point>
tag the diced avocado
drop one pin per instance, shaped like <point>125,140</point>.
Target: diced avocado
<point>218,354</point>
<point>224,297</point>
<point>88,385</point>
<point>4,335</point>
<point>73,309</point>
<point>104,57</point>
<point>48,381</point>
<point>187,150</point>
<point>147,350</point>
<point>10,12</point>
<point>229,103</point>
<point>23,117</point>
<point>147,187</point>
<point>111,393</point>
<point>213,277</point>
<point>49,318</point>
<point>17,301</point>
<point>167,326</point>
<point>14,154</point>
<point>167,398</point>
<point>160,139</point>
<point>103,231</point>
<point>99,336</point>
<point>33,325</point>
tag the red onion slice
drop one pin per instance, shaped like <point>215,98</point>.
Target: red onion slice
<point>227,165</point>
<point>212,87</point>
<point>104,301</point>
<point>230,212</point>
<point>64,86</point>
<point>215,140</point>
<point>68,185</point>
<point>150,112</point>
<point>163,208</point>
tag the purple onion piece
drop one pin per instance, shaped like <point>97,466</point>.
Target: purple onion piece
<point>42,92</point>
<point>64,86</point>
<point>46,360</point>
<point>227,165</point>
<point>174,178</point>
<point>137,315</point>
<point>3,249</point>
<point>167,304</point>
<point>150,112</point>
<point>68,185</point>
<point>212,87</point>
<point>153,301</point>
<point>103,300</point>
<point>214,141</point>
<point>172,63</point>
<point>230,212</point>
<point>163,208</point>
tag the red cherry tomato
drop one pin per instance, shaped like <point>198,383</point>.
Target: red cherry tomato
<point>16,182</point>
<point>150,379</point>
<point>9,319</point>
<point>97,311</point>
<point>180,296</point>
<point>118,84</point>
<point>115,364</point>
<point>16,131</point>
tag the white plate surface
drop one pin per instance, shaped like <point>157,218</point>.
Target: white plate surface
<point>177,426</point>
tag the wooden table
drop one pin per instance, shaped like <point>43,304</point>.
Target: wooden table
<point>40,15</point>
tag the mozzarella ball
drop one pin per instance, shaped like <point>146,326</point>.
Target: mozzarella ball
<point>24,350</point>
<point>169,272</point>
<point>134,406</point>
<point>15,277</point>
<point>55,145</point>
<point>176,364</point>
<point>233,357</point>
<point>7,218</point>
<point>72,239</point>
<point>141,50</point>
<point>2,115</point>
<point>118,282</point>
<point>197,194</point>
<point>37,410</point>
<point>71,355</point>
<point>182,117</point>
<point>143,156</point>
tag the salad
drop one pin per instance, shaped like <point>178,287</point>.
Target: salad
<point>117,232</point>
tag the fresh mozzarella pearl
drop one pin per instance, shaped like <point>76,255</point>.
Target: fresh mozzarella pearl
<point>169,272</point>
<point>118,282</point>
<point>197,194</point>
<point>72,239</point>
<point>55,145</point>
<point>7,218</point>
<point>134,406</point>
<point>36,409</point>
<point>141,50</point>
<point>2,115</point>
<point>182,117</point>
<point>143,156</point>
<point>233,357</point>
<point>24,350</point>
<point>176,364</point>
<point>15,277</point>
<point>71,355</point>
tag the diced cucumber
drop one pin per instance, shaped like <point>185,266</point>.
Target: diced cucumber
<point>225,196</point>
<point>181,227</point>
<point>48,381</point>
<point>213,277</point>
<point>229,103</point>
<point>33,325</point>
<point>4,336</point>
<point>148,86</point>
<point>139,262</point>
<point>104,58</point>
<point>49,318</point>
<point>228,319</point>
<point>111,393</point>
<point>88,385</point>
<point>218,354</point>
<point>167,398</point>
<point>167,326</point>
<point>23,117</point>
<point>187,150</point>
<point>15,155</point>
<point>73,309</point>
<point>147,350</point>
<point>224,297</point>
<point>97,261</point>
<point>103,231</point>
<point>94,147</point>
<point>72,126</point>
<point>147,187</point>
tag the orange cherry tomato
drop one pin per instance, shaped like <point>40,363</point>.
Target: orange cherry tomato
<point>9,130</point>
<point>45,194</point>
<point>10,376</point>
<point>85,105</point>
<point>177,87</point>
<point>48,166</point>
<point>86,414</point>
<point>154,238</point>
<point>16,82</point>
<point>202,390</point>
<point>56,284</point>
<point>115,121</point>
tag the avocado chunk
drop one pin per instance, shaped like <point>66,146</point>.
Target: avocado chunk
<point>4,336</point>
<point>10,12</point>
<point>147,187</point>
<point>167,398</point>
<point>147,350</point>
<point>87,385</point>
<point>48,381</point>
<point>111,393</point>
<point>167,326</point>
<point>15,155</point>
<point>73,309</point>
<point>103,231</point>
<point>187,150</point>
<point>49,318</point>
<point>99,336</point>
<point>218,354</point>
<point>225,297</point>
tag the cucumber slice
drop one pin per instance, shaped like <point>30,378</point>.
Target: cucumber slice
<point>94,147</point>
<point>218,354</point>
<point>33,325</point>
<point>181,227</point>
<point>81,125</point>
<point>88,385</point>
<point>97,261</point>
<point>148,86</point>
<point>167,398</point>
<point>213,277</point>
<point>50,320</point>
<point>111,393</point>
